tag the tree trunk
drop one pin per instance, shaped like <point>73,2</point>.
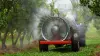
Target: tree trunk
<point>21,40</point>
<point>17,38</point>
<point>12,37</point>
<point>3,45</point>
<point>0,36</point>
<point>4,40</point>
<point>21,43</point>
<point>29,37</point>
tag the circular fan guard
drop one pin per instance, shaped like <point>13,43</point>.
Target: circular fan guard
<point>55,28</point>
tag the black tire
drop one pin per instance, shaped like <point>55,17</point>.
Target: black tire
<point>75,43</point>
<point>82,41</point>
<point>43,47</point>
<point>82,32</point>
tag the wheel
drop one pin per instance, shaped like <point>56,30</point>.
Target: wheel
<point>75,43</point>
<point>81,31</point>
<point>43,47</point>
<point>82,41</point>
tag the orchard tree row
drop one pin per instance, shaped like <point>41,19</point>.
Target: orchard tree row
<point>15,18</point>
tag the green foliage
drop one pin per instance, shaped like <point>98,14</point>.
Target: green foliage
<point>97,24</point>
<point>3,19</point>
<point>84,2</point>
<point>52,8</point>
<point>94,6</point>
<point>17,15</point>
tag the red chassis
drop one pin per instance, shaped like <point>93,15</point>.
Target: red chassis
<point>56,42</point>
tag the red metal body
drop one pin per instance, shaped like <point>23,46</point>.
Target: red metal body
<point>56,42</point>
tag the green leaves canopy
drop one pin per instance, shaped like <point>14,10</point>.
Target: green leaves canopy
<point>17,14</point>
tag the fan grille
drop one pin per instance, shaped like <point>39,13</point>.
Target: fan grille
<point>55,28</point>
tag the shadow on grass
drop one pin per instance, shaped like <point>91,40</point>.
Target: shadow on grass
<point>64,49</point>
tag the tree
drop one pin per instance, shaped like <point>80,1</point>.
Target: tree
<point>16,15</point>
<point>94,6</point>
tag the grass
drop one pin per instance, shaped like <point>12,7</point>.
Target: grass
<point>85,51</point>
<point>92,41</point>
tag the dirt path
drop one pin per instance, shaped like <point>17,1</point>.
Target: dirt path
<point>97,51</point>
<point>11,50</point>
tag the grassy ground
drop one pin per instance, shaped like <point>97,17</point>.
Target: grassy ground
<point>92,48</point>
